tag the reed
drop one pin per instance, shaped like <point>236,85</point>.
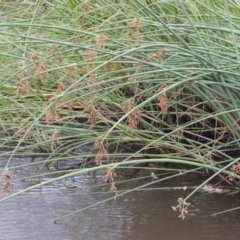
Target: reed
<point>132,82</point>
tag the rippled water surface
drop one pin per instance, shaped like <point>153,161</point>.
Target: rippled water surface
<point>143,214</point>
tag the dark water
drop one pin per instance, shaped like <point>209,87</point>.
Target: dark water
<point>139,215</point>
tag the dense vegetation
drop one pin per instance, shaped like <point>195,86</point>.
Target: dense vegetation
<point>134,82</point>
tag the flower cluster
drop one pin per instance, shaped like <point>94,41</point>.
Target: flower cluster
<point>7,177</point>
<point>182,207</point>
<point>235,170</point>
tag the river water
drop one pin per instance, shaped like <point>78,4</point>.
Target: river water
<point>143,214</point>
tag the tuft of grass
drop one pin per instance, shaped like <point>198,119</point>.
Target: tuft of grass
<point>131,82</point>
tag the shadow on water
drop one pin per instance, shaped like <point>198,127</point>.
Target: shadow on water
<point>138,215</point>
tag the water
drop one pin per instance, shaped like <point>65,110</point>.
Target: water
<point>135,216</point>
